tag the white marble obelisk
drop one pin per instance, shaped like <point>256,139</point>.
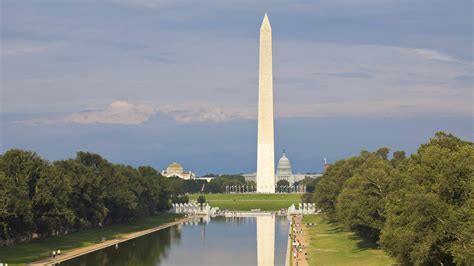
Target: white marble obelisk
<point>265,149</point>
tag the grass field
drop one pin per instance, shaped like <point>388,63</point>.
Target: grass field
<point>246,202</point>
<point>37,250</point>
<point>332,245</point>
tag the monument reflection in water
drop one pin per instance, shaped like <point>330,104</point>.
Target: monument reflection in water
<point>258,240</point>
<point>266,240</point>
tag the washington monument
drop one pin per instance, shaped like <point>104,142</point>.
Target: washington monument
<point>265,149</point>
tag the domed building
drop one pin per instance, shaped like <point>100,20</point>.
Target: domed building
<point>284,172</point>
<point>175,169</point>
<point>284,168</point>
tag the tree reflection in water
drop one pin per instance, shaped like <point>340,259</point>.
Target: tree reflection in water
<point>146,250</point>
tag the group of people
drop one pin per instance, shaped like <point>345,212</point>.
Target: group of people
<point>297,245</point>
<point>55,253</point>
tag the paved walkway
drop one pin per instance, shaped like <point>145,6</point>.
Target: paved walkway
<point>303,240</point>
<point>69,254</point>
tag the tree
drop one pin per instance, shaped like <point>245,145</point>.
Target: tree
<point>201,199</point>
<point>240,178</point>
<point>361,203</point>
<point>16,212</point>
<point>87,195</point>
<point>310,183</point>
<point>382,153</point>
<point>44,198</point>
<point>175,185</point>
<point>179,199</point>
<point>218,184</point>
<point>398,158</point>
<point>429,216</point>
<point>20,173</point>
<point>307,198</point>
<point>50,203</point>
<point>251,183</point>
<point>282,183</point>
<point>154,197</point>
<point>332,181</point>
<point>120,196</point>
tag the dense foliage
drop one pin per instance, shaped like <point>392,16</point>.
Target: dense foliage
<point>420,209</point>
<point>310,183</point>
<point>282,183</point>
<point>218,184</point>
<point>201,199</point>
<point>52,198</point>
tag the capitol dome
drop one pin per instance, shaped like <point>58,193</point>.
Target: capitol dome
<point>284,166</point>
<point>175,168</point>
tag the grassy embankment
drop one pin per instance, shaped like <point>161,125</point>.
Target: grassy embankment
<point>37,250</point>
<point>330,244</point>
<point>246,202</point>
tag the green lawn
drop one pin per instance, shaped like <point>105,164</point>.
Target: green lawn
<point>332,245</point>
<point>246,202</point>
<point>37,250</point>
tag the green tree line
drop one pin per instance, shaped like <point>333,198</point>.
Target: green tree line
<point>419,208</point>
<point>42,198</point>
<point>218,184</point>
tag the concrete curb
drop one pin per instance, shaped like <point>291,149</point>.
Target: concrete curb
<point>289,247</point>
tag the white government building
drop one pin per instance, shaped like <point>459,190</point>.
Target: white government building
<point>284,172</point>
<point>175,169</point>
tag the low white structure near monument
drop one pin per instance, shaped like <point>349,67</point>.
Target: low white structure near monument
<point>303,208</point>
<point>193,208</point>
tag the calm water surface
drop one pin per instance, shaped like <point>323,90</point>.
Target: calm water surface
<point>219,241</point>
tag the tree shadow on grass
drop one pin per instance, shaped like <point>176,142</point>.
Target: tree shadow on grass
<point>334,226</point>
<point>336,229</point>
<point>364,242</point>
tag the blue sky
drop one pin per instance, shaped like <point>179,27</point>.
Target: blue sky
<point>152,82</point>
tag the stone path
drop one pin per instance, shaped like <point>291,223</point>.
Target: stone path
<point>302,259</point>
<point>69,254</point>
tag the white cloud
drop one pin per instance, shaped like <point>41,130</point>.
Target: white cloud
<point>147,3</point>
<point>428,54</point>
<point>220,72</point>
<point>19,49</point>
<point>313,80</point>
<point>206,113</point>
<point>124,112</point>
<point>118,112</point>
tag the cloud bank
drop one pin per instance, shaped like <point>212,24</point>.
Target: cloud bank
<point>118,112</point>
<point>197,66</point>
<point>127,113</point>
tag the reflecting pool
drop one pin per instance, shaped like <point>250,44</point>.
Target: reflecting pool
<point>260,240</point>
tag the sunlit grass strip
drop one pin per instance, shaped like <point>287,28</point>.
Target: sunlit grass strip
<point>247,202</point>
<point>330,244</point>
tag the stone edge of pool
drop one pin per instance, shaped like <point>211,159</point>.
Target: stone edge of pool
<point>73,253</point>
<point>77,252</point>
<point>288,246</point>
